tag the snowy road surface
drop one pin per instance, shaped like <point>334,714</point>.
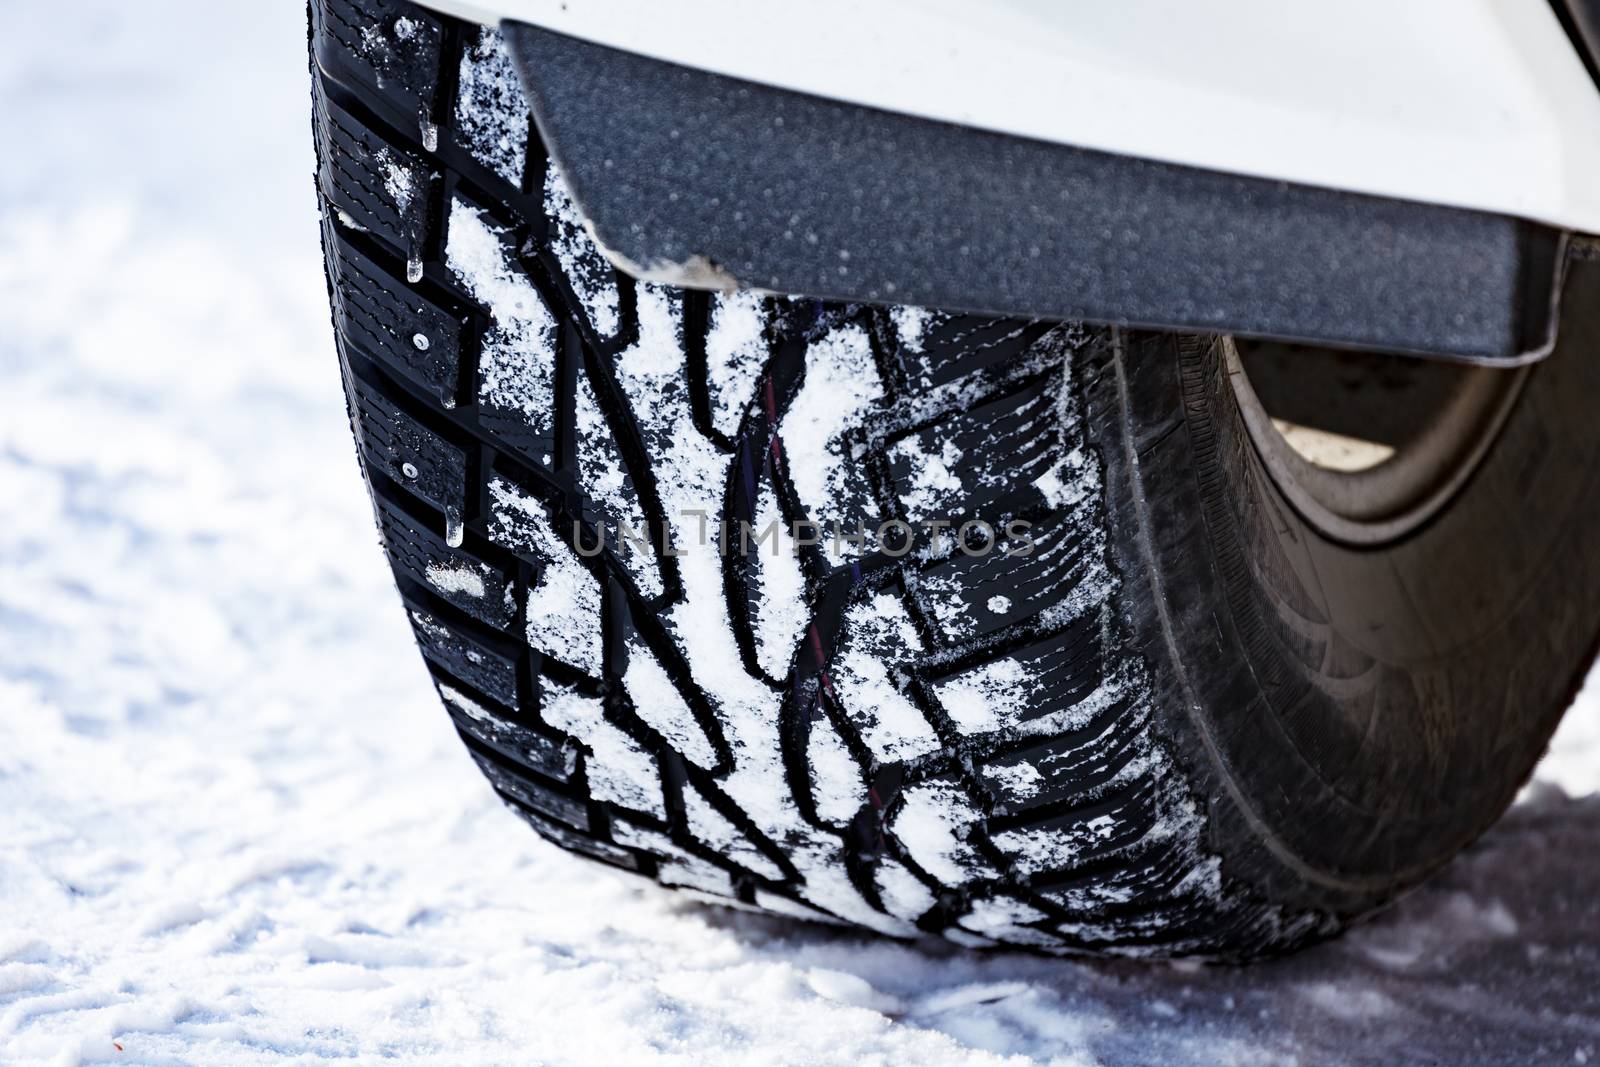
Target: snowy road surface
<point>234,826</point>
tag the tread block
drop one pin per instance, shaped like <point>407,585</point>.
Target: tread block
<point>611,501</point>
<point>659,705</point>
<point>1079,835</point>
<point>370,184</point>
<point>563,616</point>
<point>876,652</point>
<point>838,786</point>
<point>971,596</point>
<point>394,50</point>
<point>1147,872</point>
<point>1002,918</point>
<point>515,390</point>
<point>593,279</point>
<point>736,351</point>
<point>933,347</point>
<point>618,768</point>
<point>983,462</point>
<point>531,794</point>
<point>841,393</point>
<point>419,552</point>
<point>573,841</point>
<point>1046,684</point>
<point>1055,769</point>
<point>935,823</point>
<point>407,452</point>
<point>486,670</point>
<point>391,322</point>
<point>489,726</point>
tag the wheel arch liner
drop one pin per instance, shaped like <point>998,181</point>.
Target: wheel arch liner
<point>702,179</point>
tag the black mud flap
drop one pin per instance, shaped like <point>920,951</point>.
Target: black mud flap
<point>710,181</point>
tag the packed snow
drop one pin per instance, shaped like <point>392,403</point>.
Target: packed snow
<point>590,273</point>
<point>564,605</point>
<point>518,360</point>
<point>878,635</point>
<point>496,135</point>
<point>235,824</point>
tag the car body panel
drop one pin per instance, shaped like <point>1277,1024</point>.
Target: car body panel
<point>696,179</point>
<point>1478,104</point>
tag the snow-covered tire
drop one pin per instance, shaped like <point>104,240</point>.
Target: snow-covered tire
<point>1141,736</point>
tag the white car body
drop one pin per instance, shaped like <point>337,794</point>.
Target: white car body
<point>1481,104</point>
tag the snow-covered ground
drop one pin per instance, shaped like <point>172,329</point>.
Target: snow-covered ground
<point>234,826</point>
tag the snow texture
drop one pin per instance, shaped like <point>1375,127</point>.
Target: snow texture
<point>464,580</point>
<point>988,697</point>
<point>518,362</point>
<point>840,388</point>
<point>911,323</point>
<point>782,610</point>
<point>620,770</point>
<point>836,782</point>
<point>564,604</point>
<point>236,827</point>
<point>491,114</point>
<point>604,478</point>
<point>659,704</point>
<point>879,637</point>
<point>735,352</point>
<point>591,275</point>
<point>935,492</point>
<point>397,180</point>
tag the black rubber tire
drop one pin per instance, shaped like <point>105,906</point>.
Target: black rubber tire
<point>1184,725</point>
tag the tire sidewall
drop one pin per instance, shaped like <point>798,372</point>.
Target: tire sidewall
<point>1352,717</point>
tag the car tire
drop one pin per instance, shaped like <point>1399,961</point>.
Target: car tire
<point>1132,702</point>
